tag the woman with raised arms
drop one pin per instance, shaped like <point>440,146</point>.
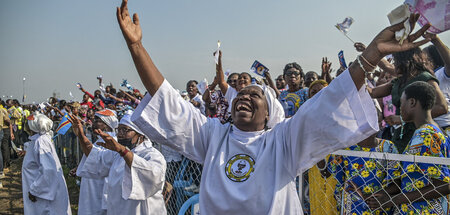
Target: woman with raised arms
<point>248,169</point>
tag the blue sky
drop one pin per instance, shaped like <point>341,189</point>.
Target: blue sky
<point>54,44</point>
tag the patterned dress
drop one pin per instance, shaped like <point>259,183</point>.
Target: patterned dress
<point>369,175</point>
<point>427,140</point>
<point>292,101</point>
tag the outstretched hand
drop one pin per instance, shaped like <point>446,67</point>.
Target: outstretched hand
<point>110,143</point>
<point>385,43</point>
<point>131,29</point>
<point>326,65</point>
<point>77,126</point>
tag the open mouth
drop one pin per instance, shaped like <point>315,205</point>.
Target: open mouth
<point>242,106</point>
<point>242,82</point>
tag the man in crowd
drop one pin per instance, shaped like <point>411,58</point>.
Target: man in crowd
<point>6,135</point>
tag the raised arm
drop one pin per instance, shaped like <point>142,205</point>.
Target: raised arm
<point>111,144</point>
<point>326,70</point>
<point>131,30</point>
<point>113,97</point>
<point>132,98</point>
<point>219,75</point>
<point>383,44</point>
<point>86,145</point>
<point>443,50</point>
<point>271,84</point>
<point>383,64</point>
<point>440,107</point>
<point>86,92</point>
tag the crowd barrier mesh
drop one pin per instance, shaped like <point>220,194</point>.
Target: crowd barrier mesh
<point>342,185</point>
<point>350,179</point>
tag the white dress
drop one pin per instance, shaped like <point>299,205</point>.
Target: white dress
<point>43,177</point>
<point>135,190</point>
<point>254,172</point>
<point>93,196</point>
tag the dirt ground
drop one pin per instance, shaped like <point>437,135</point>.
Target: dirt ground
<point>11,194</point>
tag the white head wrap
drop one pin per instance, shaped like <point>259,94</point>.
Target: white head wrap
<point>109,117</point>
<point>276,111</point>
<point>126,120</point>
<point>40,124</point>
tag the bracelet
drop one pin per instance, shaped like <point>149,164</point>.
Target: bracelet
<point>124,152</point>
<point>365,60</point>
<point>366,73</point>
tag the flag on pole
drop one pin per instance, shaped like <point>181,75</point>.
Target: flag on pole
<point>126,84</point>
<point>345,25</point>
<point>259,68</point>
<point>342,59</point>
<point>64,125</point>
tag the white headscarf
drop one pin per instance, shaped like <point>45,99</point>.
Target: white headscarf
<point>40,124</point>
<point>126,120</point>
<point>109,117</point>
<point>276,111</point>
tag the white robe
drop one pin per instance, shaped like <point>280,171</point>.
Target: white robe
<point>43,177</point>
<point>254,172</point>
<point>92,199</point>
<point>135,190</point>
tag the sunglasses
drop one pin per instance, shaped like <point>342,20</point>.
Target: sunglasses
<point>279,79</point>
<point>123,130</point>
<point>295,73</point>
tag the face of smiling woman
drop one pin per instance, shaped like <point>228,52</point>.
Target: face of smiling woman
<point>250,109</point>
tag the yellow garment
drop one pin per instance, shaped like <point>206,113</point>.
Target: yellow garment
<point>321,193</point>
<point>3,117</point>
<point>27,113</point>
<point>16,118</point>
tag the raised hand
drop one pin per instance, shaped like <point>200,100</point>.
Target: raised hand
<point>219,64</point>
<point>385,43</point>
<point>267,75</point>
<point>326,65</point>
<point>110,143</point>
<point>76,124</point>
<point>131,30</point>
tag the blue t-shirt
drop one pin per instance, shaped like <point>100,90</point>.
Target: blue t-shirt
<point>292,101</point>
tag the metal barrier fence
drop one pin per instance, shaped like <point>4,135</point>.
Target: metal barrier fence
<point>182,175</point>
<point>319,194</point>
<point>67,148</point>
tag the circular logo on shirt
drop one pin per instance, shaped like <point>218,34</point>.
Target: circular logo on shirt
<point>239,167</point>
<point>293,99</point>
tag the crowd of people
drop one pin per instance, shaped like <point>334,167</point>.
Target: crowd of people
<point>249,137</point>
